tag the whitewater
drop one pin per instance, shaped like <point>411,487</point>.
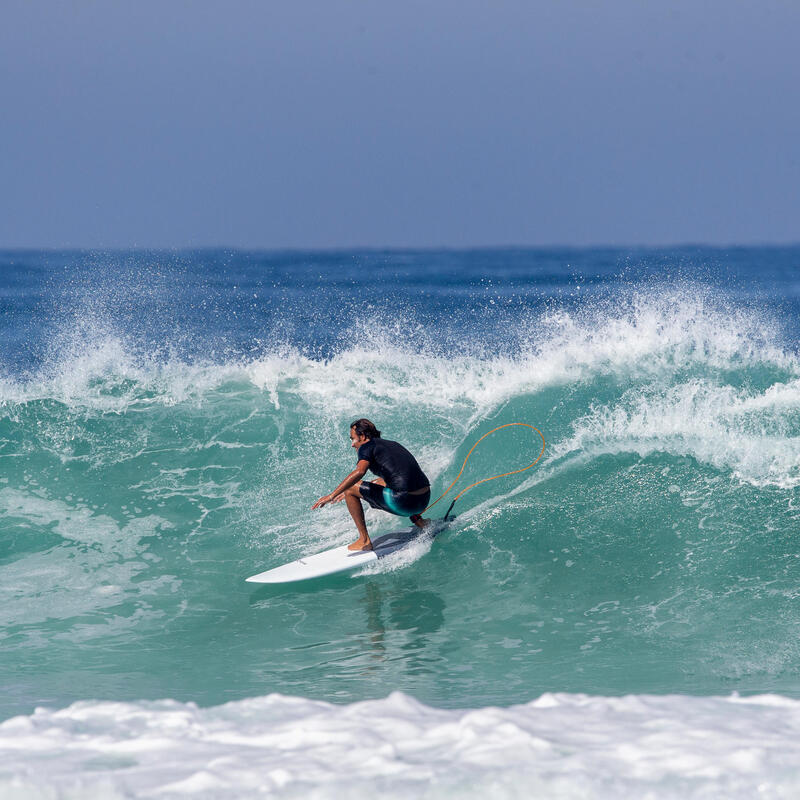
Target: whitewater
<point>620,621</point>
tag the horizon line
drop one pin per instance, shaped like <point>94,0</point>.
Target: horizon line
<point>685,245</point>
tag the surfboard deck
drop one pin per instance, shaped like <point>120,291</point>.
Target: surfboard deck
<point>340,559</point>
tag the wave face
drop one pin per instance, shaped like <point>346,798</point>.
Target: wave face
<point>167,420</point>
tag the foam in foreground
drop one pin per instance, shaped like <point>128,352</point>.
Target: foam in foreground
<point>559,746</point>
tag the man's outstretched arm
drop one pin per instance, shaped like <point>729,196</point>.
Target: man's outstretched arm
<point>356,475</point>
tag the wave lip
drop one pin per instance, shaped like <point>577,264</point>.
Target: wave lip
<point>560,745</point>
<point>641,334</point>
<point>754,435</point>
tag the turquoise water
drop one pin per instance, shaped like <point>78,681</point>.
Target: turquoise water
<point>167,420</point>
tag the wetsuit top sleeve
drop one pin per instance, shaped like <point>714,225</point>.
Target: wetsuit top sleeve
<point>367,453</point>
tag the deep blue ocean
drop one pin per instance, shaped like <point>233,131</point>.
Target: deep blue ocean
<point>167,419</point>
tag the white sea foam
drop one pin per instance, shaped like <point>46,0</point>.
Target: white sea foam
<point>755,435</point>
<point>647,334</point>
<point>559,746</point>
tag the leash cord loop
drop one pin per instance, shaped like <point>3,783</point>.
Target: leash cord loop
<point>494,477</point>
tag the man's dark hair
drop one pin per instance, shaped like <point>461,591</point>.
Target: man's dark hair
<point>363,427</point>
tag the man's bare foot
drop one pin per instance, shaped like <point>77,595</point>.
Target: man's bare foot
<point>419,521</point>
<point>360,545</point>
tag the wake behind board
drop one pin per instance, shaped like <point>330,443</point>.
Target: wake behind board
<point>340,559</point>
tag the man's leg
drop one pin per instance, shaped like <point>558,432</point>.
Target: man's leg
<point>353,499</point>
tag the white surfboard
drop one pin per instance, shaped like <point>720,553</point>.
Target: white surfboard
<point>340,559</point>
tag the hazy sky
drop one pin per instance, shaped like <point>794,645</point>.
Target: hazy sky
<point>444,122</point>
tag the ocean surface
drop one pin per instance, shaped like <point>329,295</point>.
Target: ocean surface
<point>621,620</point>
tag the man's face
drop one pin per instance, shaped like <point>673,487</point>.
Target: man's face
<point>356,440</point>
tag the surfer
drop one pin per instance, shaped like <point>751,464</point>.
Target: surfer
<point>401,487</point>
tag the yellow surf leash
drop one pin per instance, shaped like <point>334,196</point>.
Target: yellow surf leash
<point>494,477</point>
